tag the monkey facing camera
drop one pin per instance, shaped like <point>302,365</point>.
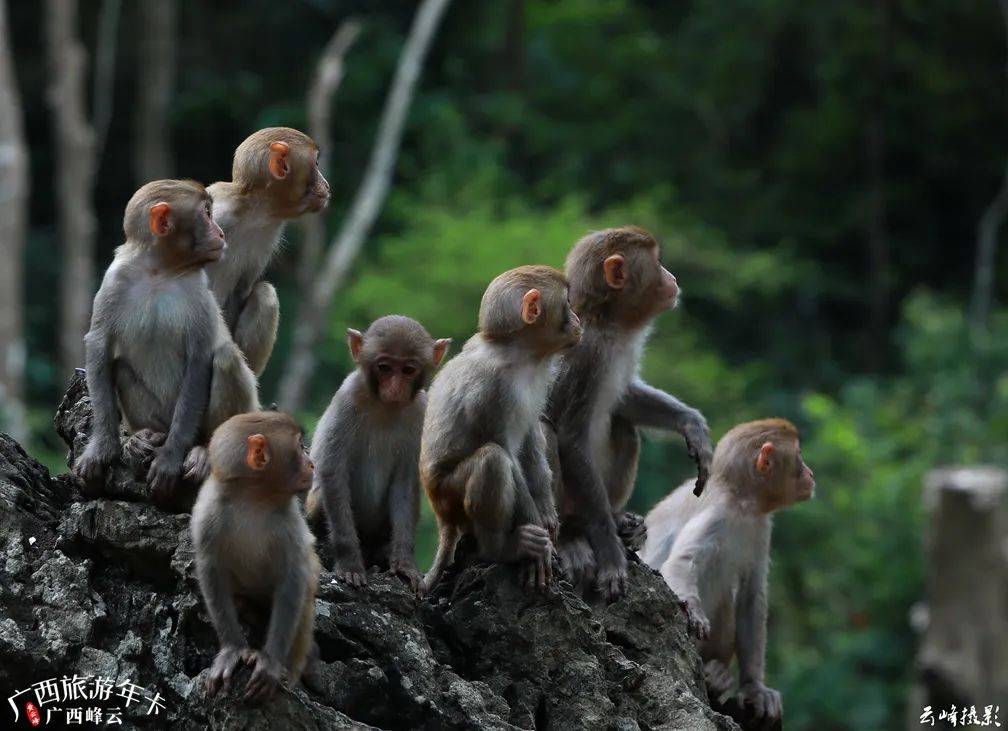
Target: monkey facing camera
<point>251,540</point>
<point>366,449</point>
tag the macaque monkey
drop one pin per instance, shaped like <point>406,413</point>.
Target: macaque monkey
<point>482,454</point>
<point>617,287</point>
<point>158,348</point>
<point>366,449</point>
<point>715,552</point>
<point>250,539</point>
<point>275,177</point>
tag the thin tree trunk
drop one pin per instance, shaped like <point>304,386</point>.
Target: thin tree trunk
<point>74,143</point>
<point>13,224</point>
<point>152,154</point>
<point>328,75</point>
<point>366,206</point>
<point>987,236</point>
<point>104,74</point>
<point>879,269</point>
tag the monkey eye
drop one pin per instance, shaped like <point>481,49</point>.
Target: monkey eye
<point>409,370</point>
<point>384,367</point>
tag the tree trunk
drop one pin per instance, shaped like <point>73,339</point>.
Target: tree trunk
<point>987,236</point>
<point>152,153</point>
<point>328,75</point>
<point>879,270</point>
<point>963,656</point>
<point>74,143</point>
<point>13,222</point>
<point>366,206</point>
<point>104,74</point>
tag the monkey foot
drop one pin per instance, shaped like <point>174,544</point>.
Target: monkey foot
<point>356,578</point>
<point>139,448</point>
<point>632,530</point>
<point>407,571</point>
<point>718,679</point>
<point>197,464</point>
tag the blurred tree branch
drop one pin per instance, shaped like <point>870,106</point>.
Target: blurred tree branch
<point>75,163</point>
<point>987,234</point>
<point>366,206</point>
<point>14,185</point>
<point>328,75</point>
<point>152,154</point>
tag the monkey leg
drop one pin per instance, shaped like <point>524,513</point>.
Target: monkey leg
<point>448,536</point>
<point>255,331</point>
<point>503,515</point>
<point>720,645</point>
<point>578,561</point>
<point>624,445</point>
<point>140,407</point>
<point>232,388</point>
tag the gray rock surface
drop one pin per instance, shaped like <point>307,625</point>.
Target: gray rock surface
<point>101,583</point>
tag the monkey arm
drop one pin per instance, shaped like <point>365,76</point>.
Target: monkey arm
<point>101,385</point>
<point>404,507</point>
<point>219,599</point>
<point>288,604</point>
<point>583,484</point>
<point>647,406</point>
<point>539,477</point>
<point>750,622</point>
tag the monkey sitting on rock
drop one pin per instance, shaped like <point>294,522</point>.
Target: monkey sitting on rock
<point>714,552</point>
<point>158,349</point>
<point>366,449</point>
<point>482,455</point>
<point>251,540</point>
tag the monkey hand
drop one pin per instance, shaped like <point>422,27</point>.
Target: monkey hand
<point>350,572</point>
<point>537,573</point>
<point>696,619</point>
<point>224,666</point>
<point>718,679</point>
<point>405,569</point>
<point>267,676</point>
<point>197,464</point>
<point>164,473</point>
<point>139,448</point>
<point>610,581</point>
<point>698,446</point>
<point>532,541</point>
<point>96,457</point>
<point>765,702</point>
<point>550,520</point>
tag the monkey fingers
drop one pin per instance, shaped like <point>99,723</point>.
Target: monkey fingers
<point>532,541</point>
<point>611,582</point>
<point>356,578</point>
<point>139,447</point>
<point>197,464</point>
<point>696,620</point>
<point>718,678</point>
<point>95,459</point>
<point>765,702</point>
<point>632,530</point>
<point>223,668</point>
<point>164,474</point>
<point>267,676</point>
<point>406,570</point>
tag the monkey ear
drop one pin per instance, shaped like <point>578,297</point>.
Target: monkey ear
<point>356,341</point>
<point>440,350</point>
<point>531,310</point>
<point>160,219</point>
<point>278,160</point>
<point>763,458</point>
<point>615,271</point>
<point>258,452</point>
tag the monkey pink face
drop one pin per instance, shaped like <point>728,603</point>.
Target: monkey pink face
<point>305,468</point>
<point>298,184</point>
<point>396,379</point>
<point>187,236</point>
<point>804,480</point>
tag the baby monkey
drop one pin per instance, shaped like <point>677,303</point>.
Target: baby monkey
<point>366,449</point>
<point>251,539</point>
<point>714,552</point>
<point>482,455</point>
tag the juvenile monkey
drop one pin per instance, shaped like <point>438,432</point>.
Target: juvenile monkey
<point>482,454</point>
<point>366,449</point>
<point>275,177</point>
<point>617,286</point>
<point>715,552</point>
<point>158,346</point>
<point>250,539</point>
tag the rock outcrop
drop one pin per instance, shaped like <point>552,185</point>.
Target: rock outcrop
<point>103,586</point>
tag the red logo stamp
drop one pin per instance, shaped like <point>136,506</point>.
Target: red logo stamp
<point>33,715</point>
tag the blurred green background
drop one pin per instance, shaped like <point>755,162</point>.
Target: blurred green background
<point>816,172</point>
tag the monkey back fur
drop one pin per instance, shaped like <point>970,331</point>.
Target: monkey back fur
<point>107,588</point>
